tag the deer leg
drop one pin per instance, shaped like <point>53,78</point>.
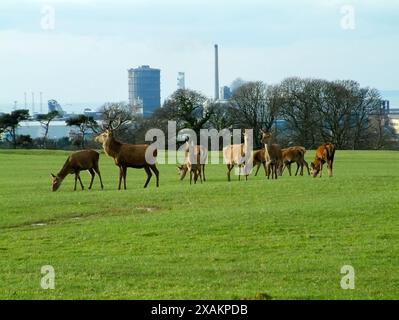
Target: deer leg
<point>156,172</point>
<point>80,180</point>
<point>124,177</point>
<point>257,169</point>
<point>120,177</point>
<point>329,167</point>
<point>149,175</point>
<point>200,176</point>
<point>307,167</point>
<point>288,166</point>
<point>191,176</point>
<point>264,167</point>
<point>282,169</point>
<point>321,169</point>
<point>297,168</point>
<point>76,180</point>
<point>97,170</point>
<point>229,167</point>
<point>92,173</point>
<point>203,172</point>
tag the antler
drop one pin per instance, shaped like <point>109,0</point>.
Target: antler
<point>115,116</point>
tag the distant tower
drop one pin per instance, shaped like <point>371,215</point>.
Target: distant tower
<point>25,100</point>
<point>41,102</point>
<point>145,86</point>
<point>33,102</point>
<point>216,73</point>
<point>181,82</point>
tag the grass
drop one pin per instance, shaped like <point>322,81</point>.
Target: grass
<point>255,239</point>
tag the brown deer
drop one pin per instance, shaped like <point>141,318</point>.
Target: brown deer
<point>128,156</point>
<point>291,155</point>
<point>273,155</point>
<point>76,162</point>
<point>324,153</point>
<point>233,155</point>
<point>194,158</point>
<point>258,158</point>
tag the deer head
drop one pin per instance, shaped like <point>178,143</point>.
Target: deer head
<point>314,169</point>
<point>56,182</point>
<point>103,137</point>
<point>182,171</point>
<point>266,137</point>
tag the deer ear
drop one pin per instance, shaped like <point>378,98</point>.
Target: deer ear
<point>53,175</point>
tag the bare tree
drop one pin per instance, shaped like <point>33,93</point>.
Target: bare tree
<point>368,103</point>
<point>220,116</point>
<point>255,105</point>
<point>116,116</point>
<point>301,99</point>
<point>188,109</point>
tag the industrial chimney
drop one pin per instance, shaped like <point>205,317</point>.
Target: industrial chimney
<point>41,102</point>
<point>33,102</point>
<point>216,73</point>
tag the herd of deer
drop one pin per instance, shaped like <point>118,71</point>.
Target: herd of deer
<point>272,157</point>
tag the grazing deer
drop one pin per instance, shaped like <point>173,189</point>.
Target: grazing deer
<point>291,155</point>
<point>194,161</point>
<point>258,159</point>
<point>194,167</point>
<point>324,153</point>
<point>128,156</point>
<point>273,155</point>
<point>76,162</point>
<point>235,154</point>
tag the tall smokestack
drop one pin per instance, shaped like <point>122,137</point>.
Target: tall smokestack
<point>216,73</point>
<point>41,102</point>
<point>33,102</point>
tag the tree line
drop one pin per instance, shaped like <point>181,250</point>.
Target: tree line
<point>9,123</point>
<point>298,111</point>
<point>304,112</point>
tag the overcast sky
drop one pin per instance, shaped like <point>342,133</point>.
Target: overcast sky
<point>85,57</point>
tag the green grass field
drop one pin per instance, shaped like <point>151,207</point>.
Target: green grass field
<point>284,239</point>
